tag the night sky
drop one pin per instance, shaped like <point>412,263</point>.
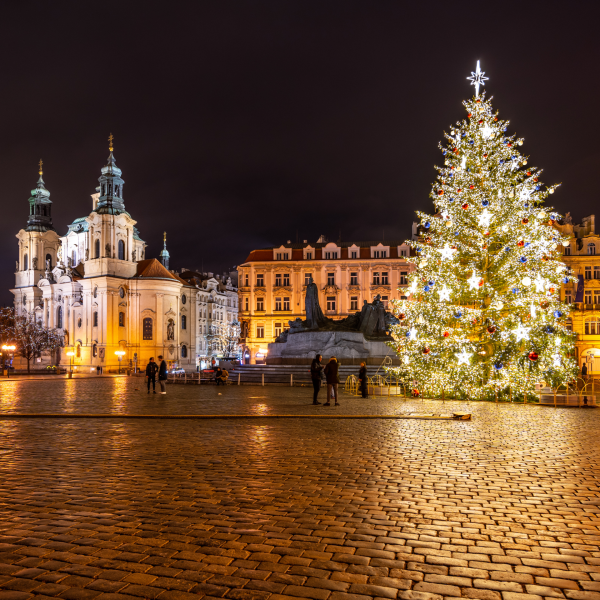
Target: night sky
<point>240,125</point>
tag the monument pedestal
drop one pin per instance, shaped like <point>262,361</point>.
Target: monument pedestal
<point>351,347</point>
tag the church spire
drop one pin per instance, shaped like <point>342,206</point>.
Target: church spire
<point>164,253</point>
<point>40,206</point>
<point>111,185</point>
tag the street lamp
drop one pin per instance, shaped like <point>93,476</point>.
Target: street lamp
<point>120,354</point>
<point>11,349</point>
<point>71,354</point>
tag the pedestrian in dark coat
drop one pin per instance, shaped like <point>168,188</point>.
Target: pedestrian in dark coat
<point>162,375</point>
<point>316,374</point>
<point>331,374</point>
<point>151,370</point>
<point>362,378</point>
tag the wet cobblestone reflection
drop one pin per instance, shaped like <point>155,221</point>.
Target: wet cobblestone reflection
<point>504,507</point>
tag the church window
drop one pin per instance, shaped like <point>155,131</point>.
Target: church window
<point>121,319</point>
<point>122,292</point>
<point>49,260</point>
<point>121,250</point>
<point>96,292</point>
<point>78,351</point>
<point>59,318</point>
<point>117,190</point>
<point>74,258</point>
<point>25,262</point>
<point>183,322</point>
<point>95,350</point>
<point>79,323</point>
<point>147,328</point>
<point>183,299</point>
<point>183,351</point>
<point>95,319</point>
<point>97,248</point>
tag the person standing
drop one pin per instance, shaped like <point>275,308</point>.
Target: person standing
<point>584,371</point>
<point>362,378</point>
<point>218,375</point>
<point>162,375</point>
<point>151,370</point>
<point>331,375</point>
<point>316,374</point>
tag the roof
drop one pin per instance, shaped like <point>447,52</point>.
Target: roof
<point>266,254</point>
<point>151,268</point>
<point>78,225</point>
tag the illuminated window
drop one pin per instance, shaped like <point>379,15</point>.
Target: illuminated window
<point>331,303</point>
<point>353,302</point>
<point>121,319</point>
<point>286,304</point>
<point>353,278</point>
<point>277,303</point>
<point>260,280</point>
<point>260,331</point>
<point>588,272</point>
<point>147,328</point>
<point>376,278</point>
<point>403,278</point>
<point>592,327</point>
<point>591,249</point>
<point>260,304</point>
<point>277,329</point>
<point>384,278</point>
<point>330,278</point>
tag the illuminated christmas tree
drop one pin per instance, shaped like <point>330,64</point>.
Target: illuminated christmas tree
<point>484,314</point>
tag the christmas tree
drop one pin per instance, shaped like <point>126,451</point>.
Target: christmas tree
<point>484,315</point>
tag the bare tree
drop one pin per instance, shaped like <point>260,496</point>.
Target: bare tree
<point>30,337</point>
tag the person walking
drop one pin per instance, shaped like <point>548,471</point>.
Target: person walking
<point>151,370</point>
<point>362,378</point>
<point>316,374</point>
<point>162,375</point>
<point>218,375</point>
<point>331,375</point>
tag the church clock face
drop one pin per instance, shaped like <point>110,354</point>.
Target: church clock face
<point>183,299</point>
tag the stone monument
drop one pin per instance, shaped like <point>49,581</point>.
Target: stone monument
<point>363,336</point>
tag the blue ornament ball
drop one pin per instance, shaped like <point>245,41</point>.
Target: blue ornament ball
<point>444,153</point>
<point>471,142</point>
<point>498,366</point>
<point>485,203</point>
<point>523,259</point>
<point>507,249</point>
<point>557,314</point>
<point>450,199</point>
<point>426,288</point>
<point>427,224</point>
<point>566,280</point>
<point>457,315</point>
<point>431,282</point>
<point>456,233</point>
<point>515,290</point>
<point>549,329</point>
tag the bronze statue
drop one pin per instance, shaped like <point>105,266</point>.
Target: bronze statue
<point>314,315</point>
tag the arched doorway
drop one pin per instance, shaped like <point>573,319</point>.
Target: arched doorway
<point>591,358</point>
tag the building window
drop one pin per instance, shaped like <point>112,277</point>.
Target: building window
<point>567,251</point>
<point>121,319</point>
<point>260,331</point>
<point>183,322</point>
<point>384,278</point>
<point>147,328</point>
<point>568,298</point>
<point>183,299</point>
<point>25,262</point>
<point>95,350</point>
<point>49,261</point>
<point>376,278</point>
<point>121,249</point>
<point>277,303</point>
<point>596,296</point>
<point>353,302</point>
<point>183,351</point>
<point>97,248</point>
<point>59,318</point>
<point>74,258</point>
<point>596,271</point>
<point>588,272</point>
<point>286,304</point>
<point>331,255</point>
<point>385,300</point>
<point>354,254</point>
<point>277,329</point>
<point>246,304</point>
<point>260,280</point>
<point>331,303</point>
<point>353,278</point>
<point>278,280</point>
<point>95,319</point>
<point>587,298</point>
<point>376,254</point>
<point>286,279</point>
<point>282,256</point>
<point>403,253</point>
<point>307,277</point>
<point>592,327</point>
<point>260,304</point>
<point>309,256</point>
<point>330,278</point>
<point>247,280</point>
<point>591,249</point>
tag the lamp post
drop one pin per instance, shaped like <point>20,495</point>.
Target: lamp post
<point>11,349</point>
<point>120,354</point>
<point>70,354</point>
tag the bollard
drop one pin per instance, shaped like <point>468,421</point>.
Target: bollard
<point>239,376</point>
<point>263,380</point>
<point>291,380</point>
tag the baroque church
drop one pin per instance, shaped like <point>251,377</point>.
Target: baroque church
<point>97,287</point>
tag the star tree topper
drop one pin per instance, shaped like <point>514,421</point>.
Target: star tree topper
<point>477,78</point>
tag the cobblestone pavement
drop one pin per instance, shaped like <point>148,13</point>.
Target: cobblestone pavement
<point>504,507</point>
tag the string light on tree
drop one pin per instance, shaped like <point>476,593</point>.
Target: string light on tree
<point>485,291</point>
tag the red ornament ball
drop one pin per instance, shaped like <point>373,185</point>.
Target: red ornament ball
<point>441,192</point>
<point>520,243</point>
<point>480,121</point>
<point>465,206</point>
<point>529,173</point>
<point>481,283</point>
<point>533,356</point>
<point>402,316</point>
<point>524,220</point>
<point>415,392</point>
<point>426,350</point>
<point>491,329</point>
<point>495,118</point>
<point>485,155</point>
<point>469,115</point>
<point>509,145</point>
<point>446,333</point>
<point>486,233</point>
<point>459,190</point>
<point>535,179</point>
<point>544,304</point>
<point>471,187</point>
<point>455,150</point>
